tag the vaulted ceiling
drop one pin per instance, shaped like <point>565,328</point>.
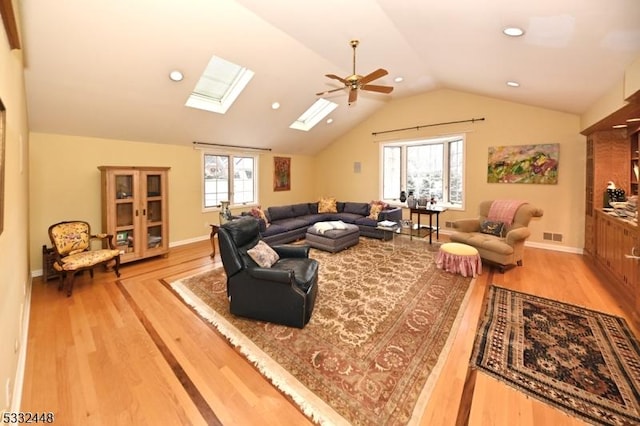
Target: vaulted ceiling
<point>100,68</point>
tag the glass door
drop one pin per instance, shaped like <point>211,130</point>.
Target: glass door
<point>126,212</point>
<point>154,211</point>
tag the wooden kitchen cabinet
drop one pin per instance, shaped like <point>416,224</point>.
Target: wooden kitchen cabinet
<point>615,239</point>
<point>135,210</point>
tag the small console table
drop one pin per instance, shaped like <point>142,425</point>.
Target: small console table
<point>431,211</point>
<point>214,231</point>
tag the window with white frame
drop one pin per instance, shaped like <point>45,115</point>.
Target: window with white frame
<point>229,177</point>
<point>431,167</point>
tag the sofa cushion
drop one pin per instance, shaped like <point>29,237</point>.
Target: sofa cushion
<point>374,211</point>
<point>263,255</point>
<point>492,227</point>
<point>327,205</point>
<point>356,208</point>
<point>280,212</point>
<point>367,221</point>
<point>313,218</point>
<point>347,217</point>
<point>291,224</point>
<point>258,213</point>
<point>300,209</point>
<point>483,241</point>
<point>313,208</point>
<point>273,229</point>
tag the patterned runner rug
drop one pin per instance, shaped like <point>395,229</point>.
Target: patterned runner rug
<point>372,350</point>
<point>583,362</point>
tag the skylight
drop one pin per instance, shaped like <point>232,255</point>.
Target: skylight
<point>219,86</point>
<point>316,112</point>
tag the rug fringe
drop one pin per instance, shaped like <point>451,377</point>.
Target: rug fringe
<point>312,406</point>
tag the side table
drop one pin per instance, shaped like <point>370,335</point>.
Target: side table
<point>48,258</point>
<point>214,231</point>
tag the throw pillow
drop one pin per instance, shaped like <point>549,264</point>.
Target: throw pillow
<point>492,227</point>
<point>258,213</point>
<point>374,211</point>
<point>327,205</point>
<point>263,255</point>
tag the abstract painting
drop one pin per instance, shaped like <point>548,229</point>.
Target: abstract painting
<point>523,164</point>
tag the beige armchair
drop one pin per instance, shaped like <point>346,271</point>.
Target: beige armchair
<point>503,245</point>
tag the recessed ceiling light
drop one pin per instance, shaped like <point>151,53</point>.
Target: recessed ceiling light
<point>176,75</point>
<point>329,120</point>
<point>275,105</point>
<point>513,31</point>
<point>398,79</point>
<point>513,84</point>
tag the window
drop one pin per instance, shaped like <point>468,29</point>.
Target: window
<point>218,184</point>
<point>428,168</point>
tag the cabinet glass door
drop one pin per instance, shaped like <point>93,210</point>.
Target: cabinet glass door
<point>154,210</point>
<point>125,212</point>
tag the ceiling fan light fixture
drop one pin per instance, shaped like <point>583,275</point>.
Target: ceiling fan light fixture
<point>356,82</point>
<point>398,79</point>
<point>275,105</point>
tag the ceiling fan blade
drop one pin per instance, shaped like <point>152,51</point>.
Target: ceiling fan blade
<point>335,77</point>
<point>353,95</point>
<point>329,91</point>
<point>376,88</point>
<point>380,72</point>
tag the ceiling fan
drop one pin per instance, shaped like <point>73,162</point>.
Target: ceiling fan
<point>354,82</point>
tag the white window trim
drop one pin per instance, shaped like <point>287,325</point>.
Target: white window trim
<point>419,141</point>
<point>231,154</point>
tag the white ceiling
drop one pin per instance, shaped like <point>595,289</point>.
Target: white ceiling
<point>100,67</point>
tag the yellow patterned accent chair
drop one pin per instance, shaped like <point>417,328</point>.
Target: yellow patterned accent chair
<point>72,245</point>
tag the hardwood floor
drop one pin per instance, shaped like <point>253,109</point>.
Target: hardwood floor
<point>130,352</point>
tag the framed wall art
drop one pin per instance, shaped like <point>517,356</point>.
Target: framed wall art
<point>523,164</point>
<point>281,173</point>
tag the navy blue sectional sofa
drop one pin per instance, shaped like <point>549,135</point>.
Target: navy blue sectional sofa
<point>290,222</point>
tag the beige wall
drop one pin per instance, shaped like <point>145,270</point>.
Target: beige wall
<point>69,187</point>
<point>506,123</point>
<point>15,284</point>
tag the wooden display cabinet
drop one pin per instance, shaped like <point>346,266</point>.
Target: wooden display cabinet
<point>607,160</point>
<point>635,166</point>
<point>135,210</point>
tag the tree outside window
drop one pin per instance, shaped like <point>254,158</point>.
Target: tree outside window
<point>229,178</point>
<point>430,168</point>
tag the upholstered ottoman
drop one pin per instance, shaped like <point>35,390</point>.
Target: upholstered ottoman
<point>324,237</point>
<point>459,258</point>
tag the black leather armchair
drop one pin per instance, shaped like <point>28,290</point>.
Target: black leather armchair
<point>284,294</point>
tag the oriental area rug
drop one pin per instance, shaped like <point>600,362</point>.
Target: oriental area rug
<point>583,362</point>
<point>379,333</point>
